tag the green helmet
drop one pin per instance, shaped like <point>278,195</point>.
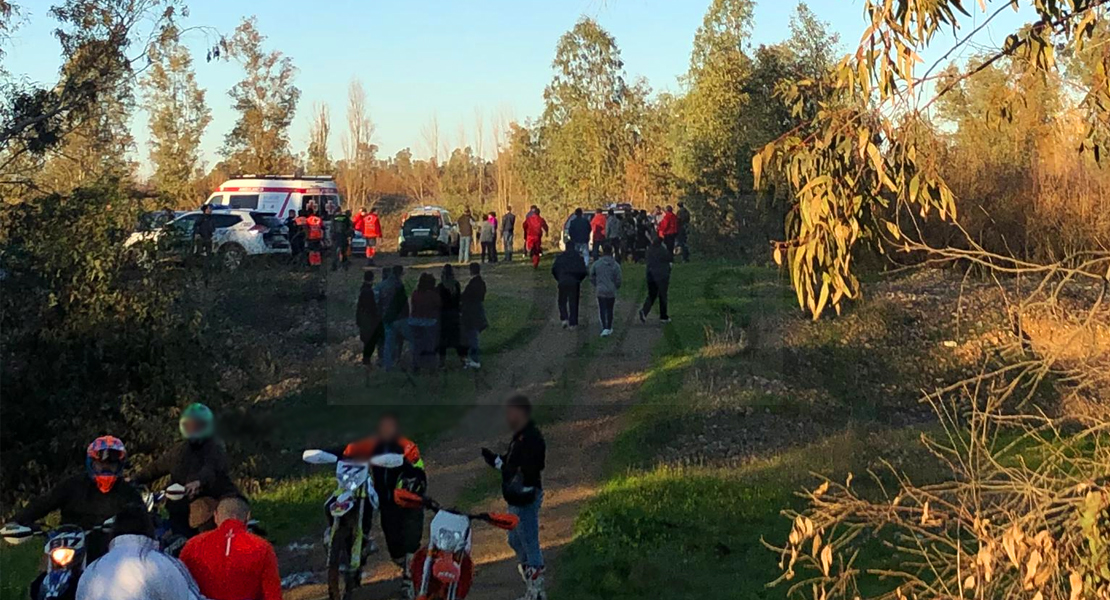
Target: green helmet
<point>202,416</point>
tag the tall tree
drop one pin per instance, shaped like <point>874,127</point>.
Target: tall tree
<point>178,118</point>
<point>266,101</point>
<point>319,160</point>
<point>586,129</point>
<point>358,147</point>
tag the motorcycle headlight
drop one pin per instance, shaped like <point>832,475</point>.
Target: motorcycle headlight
<point>62,556</point>
<point>449,541</point>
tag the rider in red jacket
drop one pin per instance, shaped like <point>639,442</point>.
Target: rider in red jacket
<point>231,563</point>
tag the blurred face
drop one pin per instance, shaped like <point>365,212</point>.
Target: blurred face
<point>192,427</point>
<point>515,418</point>
<point>388,429</point>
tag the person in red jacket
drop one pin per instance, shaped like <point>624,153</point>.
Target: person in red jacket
<point>597,231</point>
<point>231,563</point>
<point>668,228</point>
<point>534,229</point>
<point>315,238</point>
<point>371,226</point>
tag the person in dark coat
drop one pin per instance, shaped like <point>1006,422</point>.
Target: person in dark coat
<point>203,232</point>
<point>473,315</point>
<point>569,270</point>
<point>521,468</point>
<point>368,318</point>
<point>659,260</point>
<point>508,224</point>
<point>199,462</point>
<point>450,302</point>
<point>578,230</point>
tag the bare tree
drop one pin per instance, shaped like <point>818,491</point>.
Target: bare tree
<point>432,140</point>
<point>319,160</point>
<point>358,149</point>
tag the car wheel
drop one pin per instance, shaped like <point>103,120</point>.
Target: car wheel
<point>231,256</point>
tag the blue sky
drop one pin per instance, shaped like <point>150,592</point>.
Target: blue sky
<point>447,59</point>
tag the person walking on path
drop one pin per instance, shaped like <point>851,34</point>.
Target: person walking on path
<point>521,468</point>
<point>605,275</point>
<point>134,568</point>
<point>534,229</point>
<point>424,322</point>
<point>668,228</point>
<point>569,271</point>
<point>473,315</point>
<point>508,224</point>
<point>371,226</point>
<point>368,318</point>
<point>597,232</point>
<point>683,241</point>
<point>578,230</point>
<point>466,236</point>
<point>450,303</point>
<point>487,237</point>
<point>232,563</point>
<point>659,261</point>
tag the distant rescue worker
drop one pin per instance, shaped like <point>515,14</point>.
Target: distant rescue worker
<point>230,562</point>
<point>371,226</point>
<point>402,527</point>
<point>683,241</point>
<point>341,234</point>
<point>534,229</point>
<point>597,232</point>
<point>668,228</point>
<point>315,237</point>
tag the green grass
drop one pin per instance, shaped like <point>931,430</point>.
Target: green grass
<point>18,565</point>
<point>698,531</point>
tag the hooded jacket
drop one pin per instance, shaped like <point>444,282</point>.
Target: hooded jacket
<point>605,274</point>
<point>579,230</point>
<point>135,569</point>
<point>568,268</point>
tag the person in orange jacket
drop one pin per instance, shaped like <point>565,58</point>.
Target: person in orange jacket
<point>371,226</point>
<point>668,228</point>
<point>534,229</point>
<point>597,231</point>
<point>315,238</point>
<point>231,563</point>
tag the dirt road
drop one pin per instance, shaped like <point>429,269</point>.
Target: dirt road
<point>586,383</point>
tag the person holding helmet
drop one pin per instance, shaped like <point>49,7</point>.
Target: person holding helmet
<point>198,462</point>
<point>402,527</point>
<point>89,499</point>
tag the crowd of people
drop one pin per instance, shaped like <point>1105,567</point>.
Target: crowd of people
<point>438,318</point>
<point>128,559</point>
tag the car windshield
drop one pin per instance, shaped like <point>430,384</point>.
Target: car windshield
<point>421,222</point>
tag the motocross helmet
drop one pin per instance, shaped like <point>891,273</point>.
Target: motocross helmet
<point>196,422</point>
<point>104,461</point>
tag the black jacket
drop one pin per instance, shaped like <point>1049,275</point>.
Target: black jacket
<point>659,261</point>
<point>367,316</point>
<point>473,305</point>
<point>205,227</point>
<point>569,268</point>
<point>579,230</point>
<point>82,504</point>
<point>204,461</point>
<point>508,223</point>
<point>522,466</point>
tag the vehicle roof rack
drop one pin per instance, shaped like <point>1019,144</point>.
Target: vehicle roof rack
<point>287,176</point>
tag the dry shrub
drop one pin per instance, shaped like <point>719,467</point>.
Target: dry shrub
<point>1023,507</point>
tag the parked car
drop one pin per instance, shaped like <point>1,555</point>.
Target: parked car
<point>428,228</point>
<point>239,234</point>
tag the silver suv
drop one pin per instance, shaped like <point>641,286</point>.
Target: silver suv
<point>239,233</point>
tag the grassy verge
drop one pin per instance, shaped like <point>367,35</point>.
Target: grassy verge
<point>681,514</point>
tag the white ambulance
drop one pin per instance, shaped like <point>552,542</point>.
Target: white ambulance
<point>276,194</point>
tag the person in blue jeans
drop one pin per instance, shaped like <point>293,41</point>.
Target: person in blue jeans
<point>521,469</point>
<point>578,230</point>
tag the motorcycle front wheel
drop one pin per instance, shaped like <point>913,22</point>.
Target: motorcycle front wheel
<point>342,580</point>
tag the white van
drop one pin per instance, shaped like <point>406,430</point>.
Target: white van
<point>276,194</point>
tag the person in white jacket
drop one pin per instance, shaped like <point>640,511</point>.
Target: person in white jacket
<point>134,568</point>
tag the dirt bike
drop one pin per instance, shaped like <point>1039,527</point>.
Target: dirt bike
<point>169,542</point>
<point>65,552</point>
<point>348,505</point>
<point>443,570</point>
